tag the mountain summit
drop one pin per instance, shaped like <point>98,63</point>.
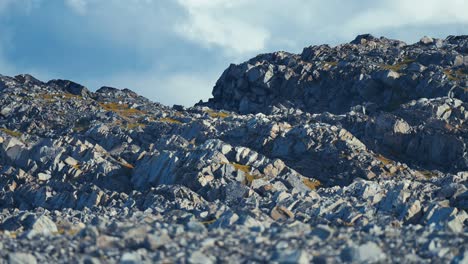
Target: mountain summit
<point>354,153</point>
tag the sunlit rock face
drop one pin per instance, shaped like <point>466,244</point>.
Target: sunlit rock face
<point>354,153</point>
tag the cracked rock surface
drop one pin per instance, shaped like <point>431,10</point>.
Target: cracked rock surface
<point>355,153</point>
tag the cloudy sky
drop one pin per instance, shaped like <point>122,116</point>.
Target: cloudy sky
<point>173,51</point>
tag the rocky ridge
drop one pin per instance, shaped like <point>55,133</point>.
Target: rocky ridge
<point>353,153</point>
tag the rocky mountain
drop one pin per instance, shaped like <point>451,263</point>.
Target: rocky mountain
<point>354,153</point>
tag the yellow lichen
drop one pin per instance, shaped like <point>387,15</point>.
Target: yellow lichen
<point>249,177</point>
<point>398,66</point>
<point>135,125</point>
<point>455,75</point>
<point>428,174</point>
<point>312,184</point>
<point>244,168</point>
<point>329,64</point>
<point>209,222</point>
<point>11,132</point>
<point>170,120</point>
<point>52,96</point>
<point>121,109</point>
<point>384,160</point>
<point>215,114</point>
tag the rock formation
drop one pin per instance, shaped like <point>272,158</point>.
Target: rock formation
<point>354,153</point>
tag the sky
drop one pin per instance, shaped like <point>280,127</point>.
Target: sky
<point>173,51</point>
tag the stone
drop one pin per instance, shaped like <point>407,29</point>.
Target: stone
<point>44,176</point>
<point>322,231</point>
<point>154,242</point>
<point>228,218</point>
<point>415,67</point>
<point>368,252</point>
<point>461,258</point>
<point>281,213</point>
<point>197,257</point>
<point>439,214</point>
<point>130,258</point>
<point>71,161</point>
<point>41,225</point>
<point>21,258</point>
<point>426,40</point>
<point>337,154</point>
<point>291,256</point>
<point>413,212</point>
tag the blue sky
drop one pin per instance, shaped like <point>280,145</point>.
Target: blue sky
<point>173,51</point>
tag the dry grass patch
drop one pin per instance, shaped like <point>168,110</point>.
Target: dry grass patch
<point>170,120</point>
<point>384,160</point>
<point>428,174</point>
<point>398,66</point>
<point>312,184</point>
<point>329,64</point>
<point>11,132</point>
<point>249,177</point>
<point>214,114</point>
<point>53,96</point>
<point>455,75</point>
<point>121,109</point>
<point>135,125</point>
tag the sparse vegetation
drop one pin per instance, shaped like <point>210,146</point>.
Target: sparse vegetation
<point>209,222</point>
<point>249,177</point>
<point>455,75</point>
<point>328,64</point>
<point>312,184</point>
<point>121,109</point>
<point>215,114</point>
<point>243,168</point>
<point>54,96</point>
<point>11,132</point>
<point>170,120</point>
<point>384,160</point>
<point>398,66</point>
<point>135,125</point>
<point>428,174</point>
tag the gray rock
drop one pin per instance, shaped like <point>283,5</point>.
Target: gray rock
<point>291,256</point>
<point>198,257</point>
<point>41,225</point>
<point>426,40</point>
<point>322,231</point>
<point>130,258</point>
<point>368,252</point>
<point>21,258</point>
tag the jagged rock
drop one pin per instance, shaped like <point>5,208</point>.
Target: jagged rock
<point>281,213</point>
<point>337,154</point>
<point>426,40</point>
<point>21,258</point>
<point>369,253</point>
<point>41,225</point>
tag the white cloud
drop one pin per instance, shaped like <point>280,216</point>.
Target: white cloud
<point>401,13</point>
<point>215,22</point>
<point>79,6</point>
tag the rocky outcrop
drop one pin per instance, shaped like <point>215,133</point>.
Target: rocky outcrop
<point>354,153</point>
<point>374,73</point>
